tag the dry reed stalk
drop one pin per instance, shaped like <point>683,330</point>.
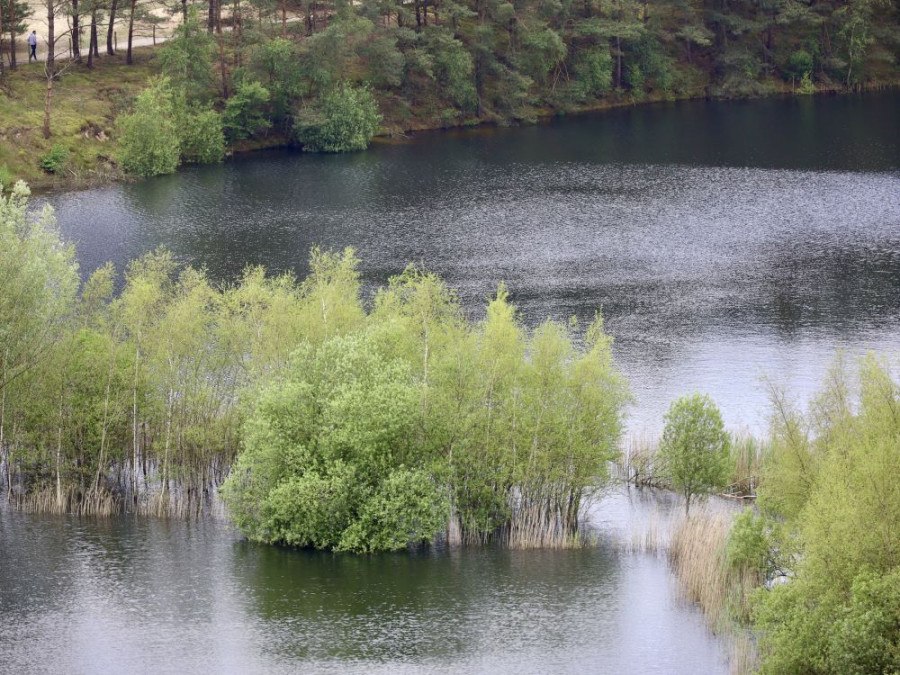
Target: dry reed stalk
<point>747,457</point>
<point>638,463</point>
<point>697,553</point>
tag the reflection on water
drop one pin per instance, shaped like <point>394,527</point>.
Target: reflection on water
<point>724,242</point>
<point>154,596</point>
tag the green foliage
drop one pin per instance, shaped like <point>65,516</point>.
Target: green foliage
<point>409,507</point>
<point>186,58</point>
<point>277,66</point>
<point>454,67</point>
<point>542,51</point>
<point>799,64</point>
<point>201,140</point>
<point>245,111</point>
<point>840,610</point>
<point>806,86</point>
<point>593,70</point>
<point>384,61</point>
<point>345,120</point>
<point>386,428</point>
<point>748,543</point>
<point>39,278</point>
<point>55,160</point>
<point>166,129</point>
<point>149,143</point>
<point>359,431</point>
<point>694,447</point>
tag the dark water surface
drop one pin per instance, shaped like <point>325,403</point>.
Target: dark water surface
<point>725,242</point>
<point>152,596</point>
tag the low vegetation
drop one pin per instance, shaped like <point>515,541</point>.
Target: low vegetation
<point>807,581</point>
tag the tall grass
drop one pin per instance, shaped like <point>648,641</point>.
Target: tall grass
<point>698,555</point>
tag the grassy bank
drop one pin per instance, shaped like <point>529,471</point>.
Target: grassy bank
<point>85,104</point>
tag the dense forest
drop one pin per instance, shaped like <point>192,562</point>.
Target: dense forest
<point>330,75</point>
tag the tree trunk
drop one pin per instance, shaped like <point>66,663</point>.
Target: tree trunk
<point>12,34</point>
<point>184,12</point>
<point>92,39</point>
<point>112,24</point>
<point>76,33</point>
<point>283,19</point>
<point>134,427</point>
<point>1,75</point>
<point>211,17</point>
<point>50,64</point>
<point>59,497</point>
<point>128,55</point>
<point>47,101</point>
<point>618,62</point>
<point>222,67</point>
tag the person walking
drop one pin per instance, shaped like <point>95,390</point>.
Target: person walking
<point>32,42</point>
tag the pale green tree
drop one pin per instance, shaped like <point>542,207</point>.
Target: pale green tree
<point>694,447</point>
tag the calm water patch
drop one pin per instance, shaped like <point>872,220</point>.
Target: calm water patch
<point>724,242</point>
<point>142,595</point>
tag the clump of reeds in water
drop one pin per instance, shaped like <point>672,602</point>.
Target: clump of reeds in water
<point>699,557</point>
<point>651,538</point>
<point>747,455</point>
<point>639,464</point>
<point>95,502</point>
<point>182,503</point>
<point>537,526</point>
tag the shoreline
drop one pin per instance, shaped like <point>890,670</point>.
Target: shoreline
<point>105,173</point>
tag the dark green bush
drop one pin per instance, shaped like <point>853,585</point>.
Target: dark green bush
<point>55,160</point>
<point>345,120</point>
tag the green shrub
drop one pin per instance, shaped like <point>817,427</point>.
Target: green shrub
<point>55,160</point>
<point>593,73</point>
<point>149,143</point>
<point>345,120</point>
<point>6,177</point>
<point>806,86</point>
<point>245,111</point>
<point>200,135</point>
<point>799,64</point>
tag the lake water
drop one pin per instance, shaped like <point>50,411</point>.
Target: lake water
<point>153,596</point>
<point>726,243</point>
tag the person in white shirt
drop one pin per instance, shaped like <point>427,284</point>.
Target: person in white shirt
<point>32,42</point>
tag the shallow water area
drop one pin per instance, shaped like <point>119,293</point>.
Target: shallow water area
<point>145,595</point>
